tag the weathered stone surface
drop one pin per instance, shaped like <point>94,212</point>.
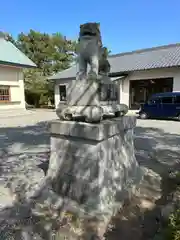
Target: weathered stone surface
<point>104,65</point>
<point>98,132</point>
<point>83,93</point>
<point>94,164</point>
<point>93,96</point>
<point>5,197</point>
<point>89,50</point>
<point>87,107</point>
<point>91,100</point>
<point>89,92</point>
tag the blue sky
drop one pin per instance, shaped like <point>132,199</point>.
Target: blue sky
<point>125,24</point>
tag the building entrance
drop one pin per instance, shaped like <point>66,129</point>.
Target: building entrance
<point>141,90</point>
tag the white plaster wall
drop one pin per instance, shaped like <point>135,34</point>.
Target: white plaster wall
<point>148,74</point>
<point>119,83</point>
<point>56,89</point>
<point>13,77</point>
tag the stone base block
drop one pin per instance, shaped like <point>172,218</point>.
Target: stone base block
<point>89,92</point>
<point>83,93</point>
<point>91,114</point>
<point>94,164</point>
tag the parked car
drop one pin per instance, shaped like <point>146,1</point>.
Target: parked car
<point>161,105</point>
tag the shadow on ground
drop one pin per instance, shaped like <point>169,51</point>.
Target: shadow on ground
<point>158,152</point>
<point>22,148</point>
<point>155,145</point>
<point>25,136</point>
<point>152,145</point>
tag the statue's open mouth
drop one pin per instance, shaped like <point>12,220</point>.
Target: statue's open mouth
<point>87,33</point>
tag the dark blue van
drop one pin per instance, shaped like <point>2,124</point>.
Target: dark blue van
<point>161,105</point>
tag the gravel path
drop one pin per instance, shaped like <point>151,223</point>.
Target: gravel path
<point>24,142</point>
<point>157,145</point>
<point>157,139</point>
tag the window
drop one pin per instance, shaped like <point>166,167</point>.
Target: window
<point>4,93</point>
<point>177,99</point>
<point>62,92</point>
<point>154,101</point>
<point>167,100</point>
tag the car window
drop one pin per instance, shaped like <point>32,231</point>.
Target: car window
<point>177,99</point>
<point>154,101</point>
<point>167,100</point>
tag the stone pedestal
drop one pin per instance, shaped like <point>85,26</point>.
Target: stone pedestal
<point>83,93</point>
<point>92,92</point>
<point>94,164</point>
<point>91,100</point>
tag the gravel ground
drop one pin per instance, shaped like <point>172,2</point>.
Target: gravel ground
<point>158,139</point>
<point>157,145</point>
<point>24,142</point>
<point>26,139</point>
<point>25,135</point>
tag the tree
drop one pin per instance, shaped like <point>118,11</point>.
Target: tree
<point>51,53</point>
<point>9,38</point>
<point>35,86</point>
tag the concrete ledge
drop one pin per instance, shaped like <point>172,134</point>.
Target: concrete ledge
<point>98,132</point>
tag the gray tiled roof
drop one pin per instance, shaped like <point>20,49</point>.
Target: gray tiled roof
<point>9,54</point>
<point>157,57</point>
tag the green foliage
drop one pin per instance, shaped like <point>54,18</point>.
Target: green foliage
<point>51,53</point>
<point>173,230</point>
<point>9,38</point>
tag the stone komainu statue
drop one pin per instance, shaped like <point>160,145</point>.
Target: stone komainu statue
<point>89,50</point>
<point>104,65</point>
